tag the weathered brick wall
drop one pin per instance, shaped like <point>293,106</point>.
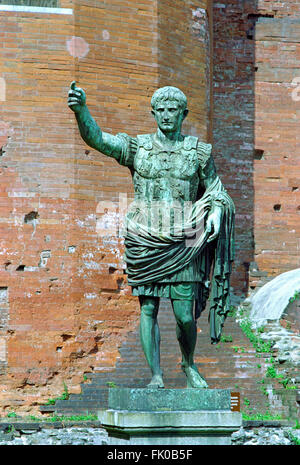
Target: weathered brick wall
<point>37,164</point>
<point>184,57</point>
<point>233,120</point>
<point>277,168</point>
<point>67,306</point>
<point>255,120</point>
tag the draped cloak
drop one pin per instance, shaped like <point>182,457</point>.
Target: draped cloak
<point>152,254</point>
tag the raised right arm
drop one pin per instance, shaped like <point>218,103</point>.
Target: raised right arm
<point>89,130</point>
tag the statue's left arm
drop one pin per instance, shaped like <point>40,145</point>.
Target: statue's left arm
<point>220,226</point>
<point>214,189</point>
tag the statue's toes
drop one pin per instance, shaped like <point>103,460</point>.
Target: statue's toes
<point>194,379</point>
<point>156,383</point>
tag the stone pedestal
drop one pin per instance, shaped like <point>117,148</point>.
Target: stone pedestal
<point>169,417</point>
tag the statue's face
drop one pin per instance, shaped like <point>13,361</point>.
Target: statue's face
<point>169,116</point>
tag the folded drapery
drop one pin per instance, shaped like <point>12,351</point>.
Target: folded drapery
<point>153,252</point>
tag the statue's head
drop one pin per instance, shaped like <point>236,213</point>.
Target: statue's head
<point>169,108</point>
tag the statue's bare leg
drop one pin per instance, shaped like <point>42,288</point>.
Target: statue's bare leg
<point>186,332</point>
<point>150,338</point>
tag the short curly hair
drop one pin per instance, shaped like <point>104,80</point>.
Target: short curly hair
<point>169,93</point>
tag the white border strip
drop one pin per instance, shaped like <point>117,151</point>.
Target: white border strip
<point>37,9</point>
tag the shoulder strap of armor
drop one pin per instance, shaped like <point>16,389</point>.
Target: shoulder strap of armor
<point>204,153</point>
<point>190,142</point>
<point>129,148</point>
<point>145,141</point>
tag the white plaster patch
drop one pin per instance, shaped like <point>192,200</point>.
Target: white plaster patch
<point>108,224</point>
<point>88,255</point>
<point>296,92</point>
<point>45,255</point>
<point>200,24</point>
<point>199,13</point>
<point>80,223</point>
<point>246,146</point>
<point>20,194</point>
<point>3,294</point>
<point>92,265</point>
<point>105,34</point>
<point>90,296</point>
<point>77,47</point>
<point>92,217</point>
<point>31,268</point>
<point>6,131</point>
<point>2,349</point>
<point>2,90</point>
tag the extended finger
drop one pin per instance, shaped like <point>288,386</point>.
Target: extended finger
<point>74,88</point>
<point>74,92</point>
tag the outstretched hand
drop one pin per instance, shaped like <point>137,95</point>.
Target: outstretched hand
<point>76,98</point>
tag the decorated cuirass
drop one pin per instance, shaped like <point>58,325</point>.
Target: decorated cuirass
<point>168,175</point>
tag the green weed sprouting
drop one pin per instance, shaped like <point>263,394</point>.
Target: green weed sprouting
<point>65,396</point>
<point>238,349</point>
<point>267,416</point>
<point>294,297</point>
<point>226,338</point>
<point>259,345</point>
<point>64,418</point>
<point>297,425</point>
<point>111,384</point>
<point>293,439</point>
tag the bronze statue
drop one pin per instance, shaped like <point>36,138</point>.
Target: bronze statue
<point>175,184</point>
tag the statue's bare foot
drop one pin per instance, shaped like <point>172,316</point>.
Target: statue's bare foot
<point>194,379</point>
<point>156,382</point>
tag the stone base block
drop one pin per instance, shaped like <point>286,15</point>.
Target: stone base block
<point>169,417</point>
